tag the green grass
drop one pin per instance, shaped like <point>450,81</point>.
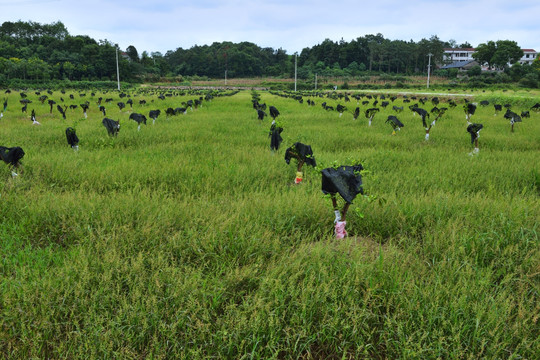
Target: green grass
<point>188,240</point>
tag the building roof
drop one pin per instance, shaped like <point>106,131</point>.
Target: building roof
<point>458,64</point>
<point>474,49</point>
<point>459,49</point>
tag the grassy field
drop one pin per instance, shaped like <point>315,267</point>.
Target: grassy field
<point>187,239</point>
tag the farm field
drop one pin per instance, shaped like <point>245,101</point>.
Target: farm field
<point>188,239</point>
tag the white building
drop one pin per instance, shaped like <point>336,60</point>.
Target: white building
<point>454,55</point>
<point>528,56</point>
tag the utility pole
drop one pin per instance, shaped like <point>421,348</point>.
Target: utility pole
<point>295,69</point>
<point>226,64</point>
<point>428,68</point>
<point>117,70</point>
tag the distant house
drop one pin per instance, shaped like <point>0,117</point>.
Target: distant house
<point>528,56</point>
<point>454,55</point>
<point>125,55</point>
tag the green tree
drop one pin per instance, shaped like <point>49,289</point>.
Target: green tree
<point>160,63</point>
<point>536,64</point>
<point>68,69</point>
<point>353,68</point>
<point>38,69</point>
<point>304,72</point>
<point>508,52</point>
<point>17,68</point>
<point>498,54</point>
<point>146,61</point>
<point>475,71</point>
<point>320,67</point>
<point>529,80</point>
<point>132,53</point>
<point>451,44</point>
<point>5,67</point>
<point>484,53</point>
<point>374,43</point>
<point>436,48</point>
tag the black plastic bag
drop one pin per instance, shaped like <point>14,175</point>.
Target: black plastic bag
<point>275,136</point>
<point>345,180</point>
<point>301,152</point>
<point>12,155</point>
<point>473,129</point>
<point>71,136</point>
<point>113,127</point>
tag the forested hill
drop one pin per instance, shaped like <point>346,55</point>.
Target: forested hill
<point>34,51</point>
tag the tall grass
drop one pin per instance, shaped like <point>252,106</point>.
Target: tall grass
<point>188,240</point>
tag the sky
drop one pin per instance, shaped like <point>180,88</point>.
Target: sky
<point>292,25</point>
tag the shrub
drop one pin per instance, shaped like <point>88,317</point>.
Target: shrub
<point>475,70</point>
<point>530,80</point>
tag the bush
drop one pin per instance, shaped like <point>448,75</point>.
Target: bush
<point>439,72</point>
<point>453,73</point>
<point>474,71</point>
<point>530,80</point>
<point>502,78</point>
<point>477,83</point>
<point>59,84</point>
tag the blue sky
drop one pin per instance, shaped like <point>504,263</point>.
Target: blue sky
<point>162,25</point>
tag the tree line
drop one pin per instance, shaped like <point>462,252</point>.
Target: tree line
<point>330,58</point>
<point>34,51</point>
